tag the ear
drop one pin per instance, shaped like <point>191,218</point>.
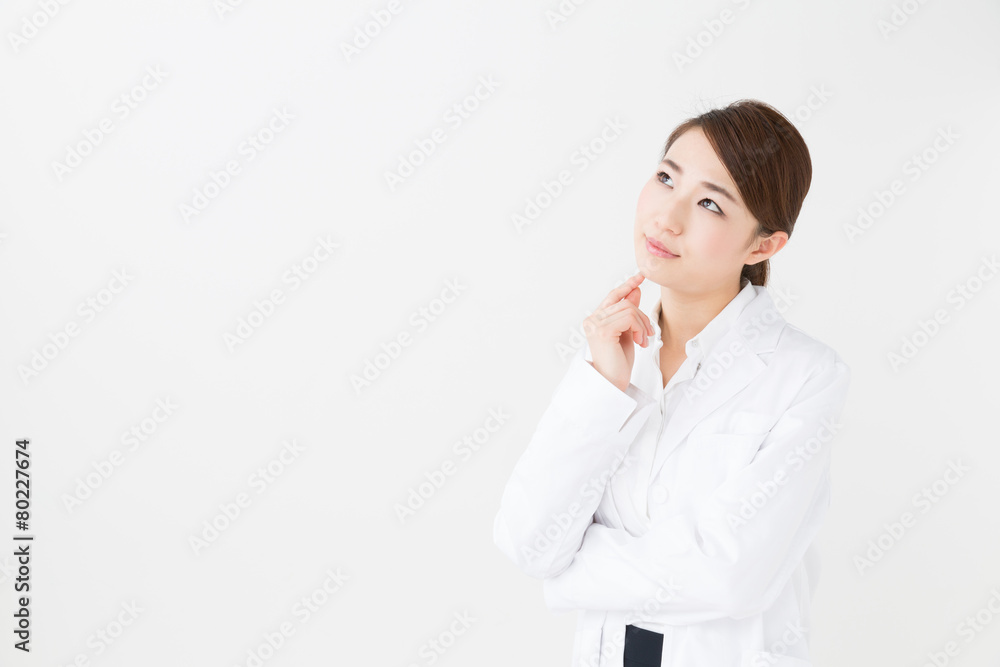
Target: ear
<point>766,247</point>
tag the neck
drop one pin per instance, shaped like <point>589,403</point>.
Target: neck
<point>684,314</point>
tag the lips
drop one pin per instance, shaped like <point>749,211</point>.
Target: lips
<point>656,244</point>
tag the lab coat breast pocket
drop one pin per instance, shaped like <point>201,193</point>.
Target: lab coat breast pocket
<point>708,460</point>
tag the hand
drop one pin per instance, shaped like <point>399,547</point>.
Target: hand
<point>613,327</point>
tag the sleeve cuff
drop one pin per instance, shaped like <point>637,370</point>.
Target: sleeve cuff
<point>599,396</point>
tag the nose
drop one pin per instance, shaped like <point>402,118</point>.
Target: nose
<point>671,215</point>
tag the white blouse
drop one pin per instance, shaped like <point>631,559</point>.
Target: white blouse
<point>629,492</point>
<point>690,509</point>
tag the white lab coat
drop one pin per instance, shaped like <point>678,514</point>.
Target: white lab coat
<point>726,564</point>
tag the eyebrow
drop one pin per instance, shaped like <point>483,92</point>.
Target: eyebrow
<point>707,184</point>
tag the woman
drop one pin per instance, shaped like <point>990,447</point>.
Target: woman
<point>671,493</point>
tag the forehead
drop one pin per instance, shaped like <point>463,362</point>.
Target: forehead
<point>695,155</point>
<point>697,163</point>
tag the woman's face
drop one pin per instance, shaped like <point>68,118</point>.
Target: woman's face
<point>691,207</point>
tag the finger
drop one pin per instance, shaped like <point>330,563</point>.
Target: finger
<point>621,318</point>
<point>619,293</point>
<point>633,298</point>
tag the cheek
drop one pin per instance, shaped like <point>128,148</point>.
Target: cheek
<point>642,206</point>
<point>643,209</point>
<point>717,243</point>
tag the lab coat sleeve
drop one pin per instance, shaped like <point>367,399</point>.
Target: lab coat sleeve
<point>733,559</point>
<point>557,483</point>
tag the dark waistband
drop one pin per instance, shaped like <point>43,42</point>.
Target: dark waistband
<point>643,648</point>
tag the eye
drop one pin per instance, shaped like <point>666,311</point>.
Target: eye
<point>717,209</point>
<point>660,175</point>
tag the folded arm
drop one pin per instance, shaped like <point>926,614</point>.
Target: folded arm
<point>558,482</point>
<point>736,556</point>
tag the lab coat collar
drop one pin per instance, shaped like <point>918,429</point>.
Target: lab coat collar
<point>729,365</point>
<point>698,346</point>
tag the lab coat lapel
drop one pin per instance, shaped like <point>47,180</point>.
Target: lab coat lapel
<point>755,332</point>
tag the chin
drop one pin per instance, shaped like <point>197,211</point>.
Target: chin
<point>649,270</point>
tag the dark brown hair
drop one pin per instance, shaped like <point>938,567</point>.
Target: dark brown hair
<point>768,161</point>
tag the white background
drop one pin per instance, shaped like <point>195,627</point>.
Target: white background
<point>499,345</point>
